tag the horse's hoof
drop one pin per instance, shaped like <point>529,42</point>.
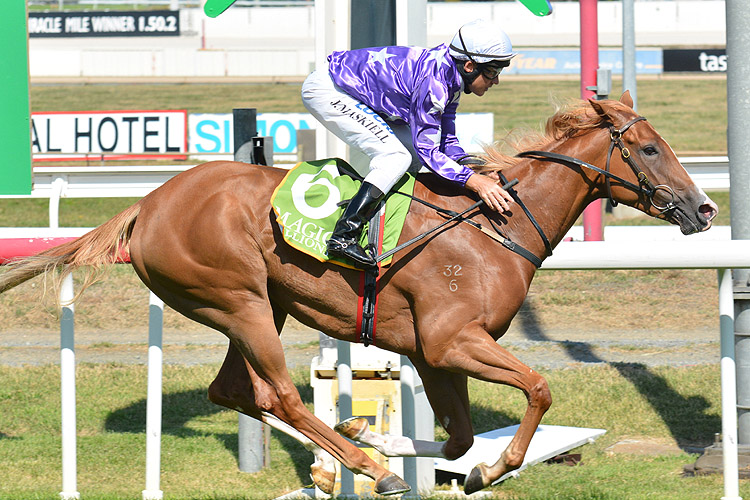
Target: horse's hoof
<point>323,479</point>
<point>474,481</point>
<point>352,427</point>
<point>391,485</point>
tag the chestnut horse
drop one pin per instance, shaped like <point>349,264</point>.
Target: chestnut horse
<point>207,243</point>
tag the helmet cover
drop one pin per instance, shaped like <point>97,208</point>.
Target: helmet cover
<point>481,42</point>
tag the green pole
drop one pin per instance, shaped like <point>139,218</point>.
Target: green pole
<point>539,8</point>
<point>214,8</point>
<point>15,126</point>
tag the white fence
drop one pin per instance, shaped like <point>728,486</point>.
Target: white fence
<point>54,183</point>
<point>568,256</point>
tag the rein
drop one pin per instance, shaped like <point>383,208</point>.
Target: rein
<point>460,217</point>
<point>644,186</point>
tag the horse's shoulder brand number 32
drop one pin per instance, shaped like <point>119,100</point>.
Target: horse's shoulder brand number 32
<point>452,270</point>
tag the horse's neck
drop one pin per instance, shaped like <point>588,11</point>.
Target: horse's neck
<point>555,195</point>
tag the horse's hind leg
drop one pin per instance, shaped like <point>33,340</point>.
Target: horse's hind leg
<point>251,330</point>
<point>234,388</point>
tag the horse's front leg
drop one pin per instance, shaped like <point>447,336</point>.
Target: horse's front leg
<point>475,353</point>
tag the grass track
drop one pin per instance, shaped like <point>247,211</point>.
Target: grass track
<point>665,405</point>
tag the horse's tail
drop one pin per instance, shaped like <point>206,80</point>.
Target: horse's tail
<point>95,249</point>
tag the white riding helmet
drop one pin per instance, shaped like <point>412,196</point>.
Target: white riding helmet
<point>481,42</point>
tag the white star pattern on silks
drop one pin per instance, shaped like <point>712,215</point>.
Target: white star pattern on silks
<point>380,56</point>
<point>433,137</point>
<point>436,55</point>
<point>456,167</point>
<point>455,97</point>
<point>437,106</point>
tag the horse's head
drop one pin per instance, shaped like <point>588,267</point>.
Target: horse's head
<point>651,178</point>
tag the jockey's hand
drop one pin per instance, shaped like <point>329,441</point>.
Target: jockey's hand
<point>490,191</point>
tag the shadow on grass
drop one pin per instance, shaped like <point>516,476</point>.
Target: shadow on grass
<point>179,408</point>
<point>686,417</point>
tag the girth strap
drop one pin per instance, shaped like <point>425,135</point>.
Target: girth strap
<point>368,284</point>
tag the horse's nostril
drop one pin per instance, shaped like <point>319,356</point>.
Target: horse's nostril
<point>707,211</point>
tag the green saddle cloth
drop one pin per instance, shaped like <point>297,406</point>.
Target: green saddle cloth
<point>307,206</point>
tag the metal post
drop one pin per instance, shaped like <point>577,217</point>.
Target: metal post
<point>417,422</point>
<point>68,392</point>
<point>244,128</point>
<point>344,377</point>
<point>408,423</point>
<point>250,431</point>
<point>592,215</point>
<point>375,21</point>
<point>263,151</point>
<point>411,22</point>
<point>153,399</point>
<point>332,31</point>
<point>738,89</point>
<point>728,387</point>
<point>629,51</point>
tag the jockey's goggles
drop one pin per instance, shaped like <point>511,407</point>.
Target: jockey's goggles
<point>492,69</point>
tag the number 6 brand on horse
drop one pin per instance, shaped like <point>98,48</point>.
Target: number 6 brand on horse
<point>207,243</point>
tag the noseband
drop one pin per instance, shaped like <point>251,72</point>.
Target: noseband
<point>644,186</point>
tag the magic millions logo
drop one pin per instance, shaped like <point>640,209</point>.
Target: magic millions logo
<point>307,205</point>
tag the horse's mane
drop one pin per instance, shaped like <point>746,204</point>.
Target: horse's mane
<point>569,118</point>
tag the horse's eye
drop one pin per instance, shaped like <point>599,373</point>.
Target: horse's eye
<point>650,151</point>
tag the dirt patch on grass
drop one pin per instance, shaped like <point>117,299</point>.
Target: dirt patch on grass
<point>651,446</point>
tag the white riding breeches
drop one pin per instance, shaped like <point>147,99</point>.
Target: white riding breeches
<point>388,145</point>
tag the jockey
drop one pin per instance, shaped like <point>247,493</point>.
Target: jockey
<point>398,106</point>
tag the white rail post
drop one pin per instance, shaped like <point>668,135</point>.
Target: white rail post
<point>68,392</point>
<point>728,387</point>
<point>154,399</point>
<point>58,185</point>
<point>344,378</point>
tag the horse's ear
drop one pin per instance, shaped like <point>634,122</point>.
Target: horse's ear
<point>600,107</point>
<point>626,99</point>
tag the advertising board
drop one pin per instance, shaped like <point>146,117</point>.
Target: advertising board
<point>212,133</point>
<point>110,134</point>
<point>568,61</point>
<point>102,23</point>
<point>163,134</point>
<point>695,60</point>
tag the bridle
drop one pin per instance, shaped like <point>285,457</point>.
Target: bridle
<point>644,186</point>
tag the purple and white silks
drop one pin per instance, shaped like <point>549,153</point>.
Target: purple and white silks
<point>414,86</point>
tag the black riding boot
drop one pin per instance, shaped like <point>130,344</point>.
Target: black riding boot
<point>344,241</point>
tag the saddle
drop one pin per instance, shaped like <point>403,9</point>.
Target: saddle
<point>309,201</point>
